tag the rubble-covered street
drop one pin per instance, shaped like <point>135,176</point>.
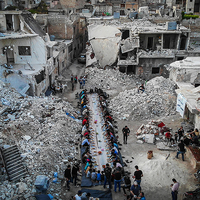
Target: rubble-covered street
<point>92,92</point>
<point>48,138</point>
<point>45,135</point>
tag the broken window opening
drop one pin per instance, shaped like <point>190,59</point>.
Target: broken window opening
<point>123,56</point>
<point>69,48</point>
<point>125,34</point>
<point>197,85</point>
<point>183,42</point>
<point>150,43</point>
<point>122,12</point>
<point>155,70</point>
<point>24,50</point>
<point>9,22</point>
<point>122,69</point>
<point>166,43</point>
<point>180,58</point>
<point>40,77</point>
<point>178,1</point>
<point>131,69</point>
<point>196,6</point>
<point>170,41</point>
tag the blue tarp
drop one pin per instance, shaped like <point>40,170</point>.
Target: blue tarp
<point>102,195</point>
<point>42,197</point>
<point>85,182</point>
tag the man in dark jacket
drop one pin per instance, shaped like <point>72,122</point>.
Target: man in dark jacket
<point>125,132</point>
<point>68,176</point>
<point>117,178</point>
<point>181,149</point>
<point>180,132</point>
<point>107,172</point>
<point>75,169</point>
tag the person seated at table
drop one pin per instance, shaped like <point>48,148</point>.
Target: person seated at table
<point>105,125</point>
<point>114,152</point>
<point>114,157</point>
<point>186,140</point>
<point>88,175</point>
<point>168,136</point>
<point>194,139</point>
<point>87,134</point>
<point>86,142</point>
<point>117,164</point>
<point>113,147</point>
<point>89,162</point>
<point>85,128</point>
<point>85,120</point>
<point>109,118</point>
<point>89,167</point>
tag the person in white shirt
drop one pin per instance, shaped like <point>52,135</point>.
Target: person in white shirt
<point>86,142</point>
<point>175,187</point>
<point>78,196</point>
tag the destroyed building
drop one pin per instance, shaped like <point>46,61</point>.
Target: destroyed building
<point>25,4</point>
<point>29,61</point>
<point>139,47</point>
<point>117,7</point>
<point>64,27</point>
<point>186,74</point>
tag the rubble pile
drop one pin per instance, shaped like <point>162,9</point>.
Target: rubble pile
<point>158,99</point>
<point>45,135</point>
<point>109,79</point>
<point>146,132</point>
<point>166,52</point>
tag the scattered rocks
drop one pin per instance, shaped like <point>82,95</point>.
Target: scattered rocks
<point>110,79</point>
<point>44,134</point>
<point>158,99</point>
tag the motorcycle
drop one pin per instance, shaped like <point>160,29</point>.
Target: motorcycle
<point>192,195</point>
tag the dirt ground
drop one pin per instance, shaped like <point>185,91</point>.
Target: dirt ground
<point>158,172</point>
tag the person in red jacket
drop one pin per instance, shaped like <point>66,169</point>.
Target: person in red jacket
<point>84,122</point>
<point>168,136</point>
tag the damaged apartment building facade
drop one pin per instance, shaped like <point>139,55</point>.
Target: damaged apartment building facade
<point>138,47</point>
<point>186,75</point>
<point>29,61</point>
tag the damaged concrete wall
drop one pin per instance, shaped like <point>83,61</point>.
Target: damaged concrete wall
<point>103,9</point>
<point>197,121</point>
<point>129,44</point>
<point>16,80</point>
<point>37,48</point>
<point>187,70</point>
<point>36,44</point>
<point>149,68</point>
<point>2,22</point>
<point>105,43</point>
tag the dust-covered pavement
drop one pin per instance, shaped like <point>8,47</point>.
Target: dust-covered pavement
<point>158,172</point>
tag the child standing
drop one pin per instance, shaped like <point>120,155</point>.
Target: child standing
<point>102,175</point>
<point>99,177</point>
<point>93,175</point>
<point>89,173</point>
